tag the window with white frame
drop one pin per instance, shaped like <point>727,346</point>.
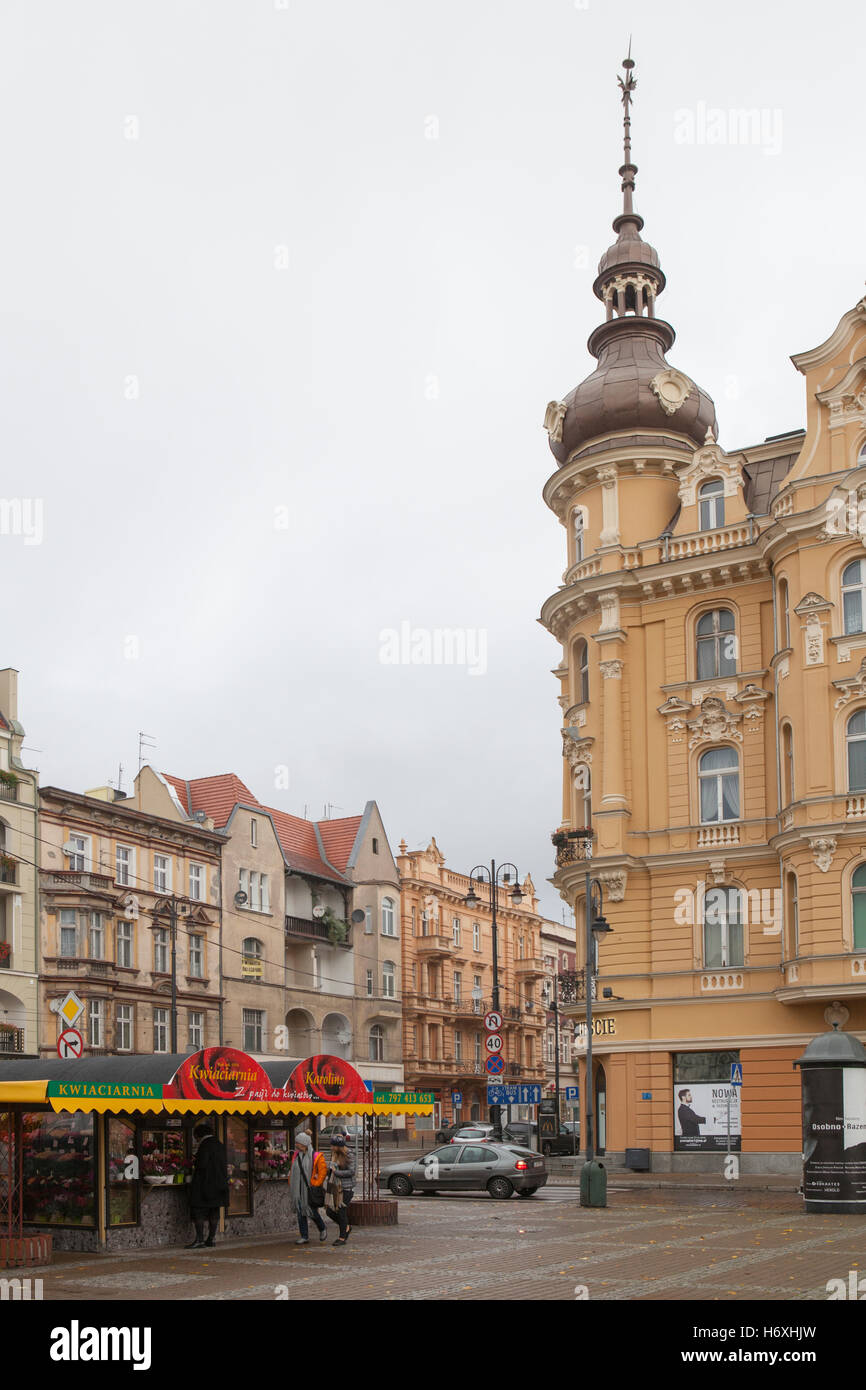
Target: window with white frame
<point>124,942</point>
<point>858,907</point>
<point>719,784</point>
<point>97,936</point>
<point>853,589</point>
<point>254,832</point>
<point>254,1023</point>
<point>581,672</point>
<point>195,1033</point>
<point>723,928</point>
<point>78,853</point>
<point>476,994</point>
<point>160,951</point>
<point>477,1045</point>
<point>124,865</point>
<point>368,921</point>
<point>196,882</point>
<point>196,956</point>
<point>716,644</point>
<point>370,984</point>
<point>160,1030</point>
<point>161,873</point>
<point>123,1027</point>
<point>68,932</point>
<point>855,740</point>
<point>564,1047</point>
<point>458,1046</point>
<point>389,978</point>
<point>712,505</point>
<point>388,927</point>
<point>455,931</point>
<point>476,937</point>
<point>257,889</point>
<point>377,1043</point>
<point>579,535</point>
<point>458,985</point>
<point>549,1047</point>
<point>96,1022</point>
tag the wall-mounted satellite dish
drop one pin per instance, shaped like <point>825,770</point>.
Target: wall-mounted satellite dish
<point>318,911</point>
<point>240,898</point>
<point>344,1037</point>
<point>358,915</point>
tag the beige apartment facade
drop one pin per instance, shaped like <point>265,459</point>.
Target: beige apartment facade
<point>448,984</point>
<point>19,899</point>
<point>712,622</point>
<point>112,880</point>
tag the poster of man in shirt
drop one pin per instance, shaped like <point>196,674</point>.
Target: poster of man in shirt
<point>701,1116</point>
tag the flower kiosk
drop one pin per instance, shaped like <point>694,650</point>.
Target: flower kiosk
<point>97,1152</point>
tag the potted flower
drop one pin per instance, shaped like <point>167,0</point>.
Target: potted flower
<point>5,953</point>
<point>337,929</point>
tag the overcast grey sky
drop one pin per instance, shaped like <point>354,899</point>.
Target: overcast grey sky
<point>285,291</point>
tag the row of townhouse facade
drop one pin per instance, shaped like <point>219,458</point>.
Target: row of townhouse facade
<point>274,934</point>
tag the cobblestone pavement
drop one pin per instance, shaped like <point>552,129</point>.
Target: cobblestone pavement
<point>646,1245</point>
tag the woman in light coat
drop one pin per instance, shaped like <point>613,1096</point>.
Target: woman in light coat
<point>302,1177</point>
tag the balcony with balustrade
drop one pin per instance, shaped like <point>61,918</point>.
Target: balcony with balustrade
<point>435,946</point>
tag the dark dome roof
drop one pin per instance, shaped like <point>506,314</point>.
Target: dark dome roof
<point>619,396</point>
<point>629,248</point>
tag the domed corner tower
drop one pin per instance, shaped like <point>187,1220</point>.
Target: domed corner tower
<point>621,440</point>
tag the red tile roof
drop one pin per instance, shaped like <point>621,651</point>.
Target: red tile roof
<point>338,837</point>
<point>218,796</point>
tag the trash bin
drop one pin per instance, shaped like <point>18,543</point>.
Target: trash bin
<point>593,1184</point>
<point>638,1160</point>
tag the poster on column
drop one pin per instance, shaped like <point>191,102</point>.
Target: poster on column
<point>834,1134</point>
<point>701,1116</point>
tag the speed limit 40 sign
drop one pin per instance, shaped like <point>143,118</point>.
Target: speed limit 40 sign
<point>494,1042</point>
<point>493,1021</point>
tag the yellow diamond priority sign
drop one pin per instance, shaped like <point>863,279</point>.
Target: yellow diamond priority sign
<point>71,1009</point>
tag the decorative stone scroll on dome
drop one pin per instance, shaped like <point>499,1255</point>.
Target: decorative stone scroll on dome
<point>846,401</point>
<point>823,848</point>
<point>614,883</point>
<point>714,723</point>
<point>553,418</point>
<point>711,461</point>
<point>852,688</point>
<point>672,388</point>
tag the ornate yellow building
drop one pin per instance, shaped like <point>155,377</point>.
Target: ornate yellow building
<point>712,618</point>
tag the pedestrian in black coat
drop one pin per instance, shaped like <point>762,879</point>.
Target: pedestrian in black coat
<point>209,1189</point>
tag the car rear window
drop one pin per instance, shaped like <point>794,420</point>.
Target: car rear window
<point>521,1153</point>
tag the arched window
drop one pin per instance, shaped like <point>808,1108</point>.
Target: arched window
<point>784,617</point>
<point>579,536</point>
<point>252,949</point>
<point>581,672</point>
<point>719,783</point>
<point>389,976</point>
<point>377,1043</point>
<point>855,737</point>
<point>787,765</point>
<point>853,585</point>
<point>712,505</point>
<point>388,928</point>
<point>723,928</point>
<point>717,644</point>
<point>858,907</point>
<point>792,917</point>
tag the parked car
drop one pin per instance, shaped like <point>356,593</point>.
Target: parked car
<point>525,1132</point>
<point>447,1132</point>
<point>500,1169</point>
<point>481,1134</point>
<point>353,1136</point>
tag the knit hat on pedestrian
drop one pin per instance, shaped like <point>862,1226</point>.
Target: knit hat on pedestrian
<point>304,1140</point>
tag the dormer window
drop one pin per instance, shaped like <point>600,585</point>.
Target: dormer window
<point>712,505</point>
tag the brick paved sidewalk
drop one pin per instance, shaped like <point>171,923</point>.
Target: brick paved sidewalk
<point>646,1245</point>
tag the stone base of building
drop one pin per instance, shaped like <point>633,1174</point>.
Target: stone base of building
<point>662,1161</point>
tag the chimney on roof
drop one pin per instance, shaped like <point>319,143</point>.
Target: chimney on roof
<point>9,693</point>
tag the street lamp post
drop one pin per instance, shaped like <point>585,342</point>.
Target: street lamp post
<point>175,906</point>
<point>593,1180</point>
<point>481,874</point>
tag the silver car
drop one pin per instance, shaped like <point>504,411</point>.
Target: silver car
<point>500,1169</point>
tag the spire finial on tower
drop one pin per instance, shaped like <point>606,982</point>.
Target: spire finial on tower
<point>627,85</point>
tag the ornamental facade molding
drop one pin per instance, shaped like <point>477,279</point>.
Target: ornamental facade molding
<point>752,700</point>
<point>608,602</point>
<point>576,751</point>
<point>675,712</point>
<point>614,882</point>
<point>846,401</point>
<point>852,688</point>
<point>611,670</point>
<point>710,461</point>
<point>672,388</point>
<point>713,724</point>
<point>810,608</point>
<point>823,848</point>
<point>554,416</point>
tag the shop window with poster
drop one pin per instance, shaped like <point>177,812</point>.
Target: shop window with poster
<point>59,1168</point>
